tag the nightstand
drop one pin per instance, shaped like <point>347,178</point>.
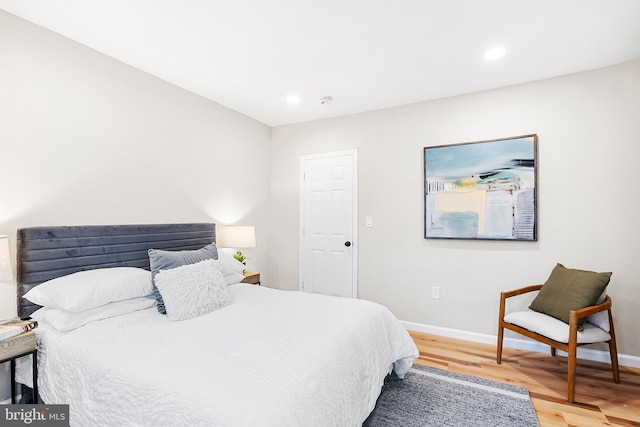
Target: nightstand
<point>251,278</point>
<point>14,348</point>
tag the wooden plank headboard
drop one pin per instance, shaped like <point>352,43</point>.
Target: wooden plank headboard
<point>44,253</point>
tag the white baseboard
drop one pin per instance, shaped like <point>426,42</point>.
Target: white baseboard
<point>523,343</point>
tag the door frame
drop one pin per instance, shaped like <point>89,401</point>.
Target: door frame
<point>354,156</point>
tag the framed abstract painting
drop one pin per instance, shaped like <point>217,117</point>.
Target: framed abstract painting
<point>482,190</point>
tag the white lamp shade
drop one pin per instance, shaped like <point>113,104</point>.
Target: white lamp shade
<point>239,236</point>
<point>6,274</point>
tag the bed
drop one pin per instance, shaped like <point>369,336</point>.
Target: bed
<point>267,357</point>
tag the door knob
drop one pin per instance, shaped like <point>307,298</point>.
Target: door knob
<point>347,243</point>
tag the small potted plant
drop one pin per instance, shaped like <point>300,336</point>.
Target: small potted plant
<point>240,257</point>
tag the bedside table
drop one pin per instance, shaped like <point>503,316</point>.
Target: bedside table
<point>14,348</point>
<point>251,278</point>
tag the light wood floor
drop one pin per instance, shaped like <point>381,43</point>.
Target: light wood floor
<point>599,401</point>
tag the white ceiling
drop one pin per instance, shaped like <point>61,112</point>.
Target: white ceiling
<point>249,55</point>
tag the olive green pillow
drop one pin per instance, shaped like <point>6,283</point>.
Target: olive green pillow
<point>568,289</point>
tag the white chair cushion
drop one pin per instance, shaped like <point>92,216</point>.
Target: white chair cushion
<point>553,328</point>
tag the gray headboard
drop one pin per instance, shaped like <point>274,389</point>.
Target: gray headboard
<point>44,253</point>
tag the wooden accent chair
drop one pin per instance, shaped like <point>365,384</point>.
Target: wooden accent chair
<point>559,335</point>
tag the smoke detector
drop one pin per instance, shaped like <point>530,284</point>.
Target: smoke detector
<point>326,100</point>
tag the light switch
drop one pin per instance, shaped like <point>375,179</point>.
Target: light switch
<point>368,221</point>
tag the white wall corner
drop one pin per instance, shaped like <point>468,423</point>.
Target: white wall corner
<point>519,343</point>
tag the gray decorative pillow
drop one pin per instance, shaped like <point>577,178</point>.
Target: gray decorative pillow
<point>568,289</point>
<point>164,260</point>
<point>192,290</point>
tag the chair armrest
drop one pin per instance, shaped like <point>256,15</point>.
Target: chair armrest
<point>513,293</point>
<point>588,311</point>
<point>520,291</point>
<point>575,315</point>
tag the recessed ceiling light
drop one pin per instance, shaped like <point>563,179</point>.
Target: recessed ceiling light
<point>293,99</point>
<point>495,53</point>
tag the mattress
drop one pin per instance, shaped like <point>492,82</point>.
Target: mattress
<point>271,358</point>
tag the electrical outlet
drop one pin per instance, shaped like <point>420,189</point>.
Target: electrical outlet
<point>435,292</point>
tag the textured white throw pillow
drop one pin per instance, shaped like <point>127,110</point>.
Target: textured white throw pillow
<point>88,289</point>
<point>192,290</point>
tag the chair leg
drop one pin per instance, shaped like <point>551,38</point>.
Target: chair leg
<point>501,327</point>
<point>571,356</point>
<point>571,373</point>
<point>613,350</point>
<point>500,338</point>
<point>614,360</point>
<point>553,351</point>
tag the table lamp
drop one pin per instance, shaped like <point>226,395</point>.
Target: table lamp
<point>238,237</point>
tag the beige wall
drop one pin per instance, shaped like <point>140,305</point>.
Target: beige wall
<point>85,139</point>
<point>588,126</point>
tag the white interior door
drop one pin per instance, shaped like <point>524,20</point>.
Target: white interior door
<point>328,222</point>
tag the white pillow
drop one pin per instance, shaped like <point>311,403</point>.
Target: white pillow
<point>65,321</point>
<point>601,320</point>
<point>232,269</point>
<point>92,288</point>
<point>192,290</point>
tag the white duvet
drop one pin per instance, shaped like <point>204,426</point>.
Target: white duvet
<point>271,358</point>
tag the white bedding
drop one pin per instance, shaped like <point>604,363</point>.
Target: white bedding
<point>271,358</point>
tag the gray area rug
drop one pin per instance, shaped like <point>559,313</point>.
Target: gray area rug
<point>432,397</point>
